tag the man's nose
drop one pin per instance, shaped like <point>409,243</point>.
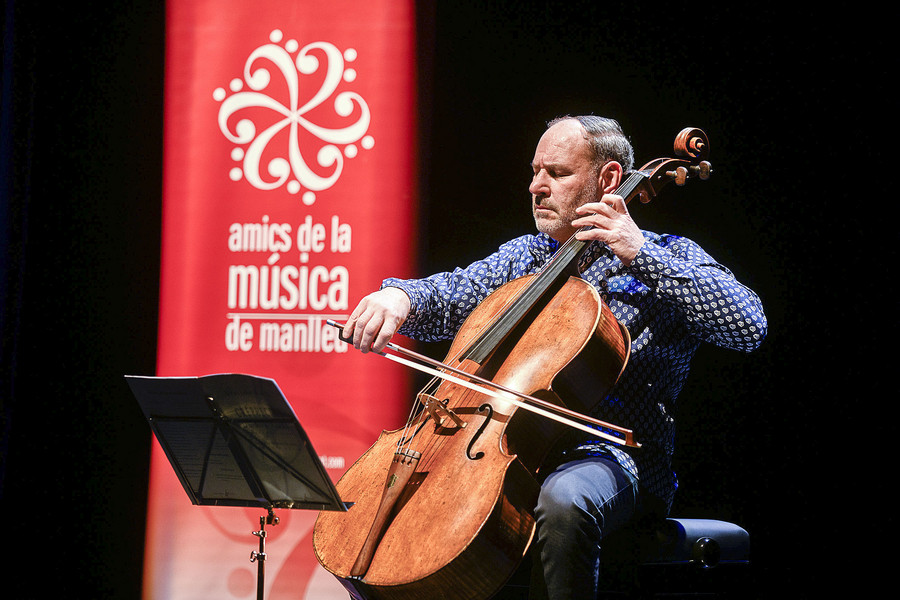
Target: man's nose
<point>538,185</point>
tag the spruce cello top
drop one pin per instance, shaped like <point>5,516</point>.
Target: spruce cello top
<point>444,507</point>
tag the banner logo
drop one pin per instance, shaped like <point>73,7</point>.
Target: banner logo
<point>290,120</point>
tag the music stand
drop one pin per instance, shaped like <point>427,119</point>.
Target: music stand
<point>233,440</point>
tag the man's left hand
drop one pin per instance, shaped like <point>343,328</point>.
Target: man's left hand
<point>612,225</point>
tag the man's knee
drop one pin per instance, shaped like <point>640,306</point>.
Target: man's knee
<point>562,508</point>
<point>595,493</point>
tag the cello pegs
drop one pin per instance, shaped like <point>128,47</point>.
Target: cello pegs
<point>680,175</point>
<point>705,169</point>
<point>702,170</point>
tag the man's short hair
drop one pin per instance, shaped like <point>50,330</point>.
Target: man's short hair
<point>606,139</point>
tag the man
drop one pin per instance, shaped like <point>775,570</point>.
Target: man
<point>665,289</point>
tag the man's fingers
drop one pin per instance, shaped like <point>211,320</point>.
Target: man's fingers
<point>375,319</point>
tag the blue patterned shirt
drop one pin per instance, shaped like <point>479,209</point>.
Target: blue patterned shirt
<point>671,298</point>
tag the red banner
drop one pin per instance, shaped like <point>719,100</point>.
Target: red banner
<point>289,193</point>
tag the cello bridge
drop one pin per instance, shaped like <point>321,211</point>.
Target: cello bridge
<point>436,409</point>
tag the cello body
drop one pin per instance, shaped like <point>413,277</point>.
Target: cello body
<point>464,517</point>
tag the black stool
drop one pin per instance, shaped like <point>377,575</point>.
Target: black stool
<point>681,558</point>
<point>676,559</point>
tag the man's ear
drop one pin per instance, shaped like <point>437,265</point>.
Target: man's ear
<point>610,177</point>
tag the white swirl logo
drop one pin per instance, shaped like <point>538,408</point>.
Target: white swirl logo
<point>253,118</point>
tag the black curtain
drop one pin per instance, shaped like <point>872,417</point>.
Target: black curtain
<point>82,114</point>
<point>792,442</point>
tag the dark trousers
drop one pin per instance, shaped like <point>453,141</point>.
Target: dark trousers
<point>580,503</point>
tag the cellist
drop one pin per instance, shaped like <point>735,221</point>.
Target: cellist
<point>668,292</point>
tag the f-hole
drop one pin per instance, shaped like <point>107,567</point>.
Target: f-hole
<point>490,414</point>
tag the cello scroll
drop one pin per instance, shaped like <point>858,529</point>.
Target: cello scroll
<point>691,150</point>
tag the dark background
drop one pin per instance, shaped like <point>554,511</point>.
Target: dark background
<point>793,442</point>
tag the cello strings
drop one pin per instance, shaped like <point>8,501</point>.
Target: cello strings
<point>518,305</point>
<point>405,443</point>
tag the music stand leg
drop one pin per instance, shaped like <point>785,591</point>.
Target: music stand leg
<point>259,556</point>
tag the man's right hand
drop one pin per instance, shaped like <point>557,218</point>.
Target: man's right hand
<point>376,318</point>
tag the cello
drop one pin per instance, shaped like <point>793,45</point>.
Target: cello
<point>444,507</point>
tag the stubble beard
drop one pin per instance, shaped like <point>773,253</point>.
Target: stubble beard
<point>563,221</point>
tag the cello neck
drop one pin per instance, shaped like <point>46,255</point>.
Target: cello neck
<point>557,267</point>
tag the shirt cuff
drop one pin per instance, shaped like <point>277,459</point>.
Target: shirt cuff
<point>410,289</point>
<point>654,263</point>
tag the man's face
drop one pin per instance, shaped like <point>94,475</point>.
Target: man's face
<point>563,180</point>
